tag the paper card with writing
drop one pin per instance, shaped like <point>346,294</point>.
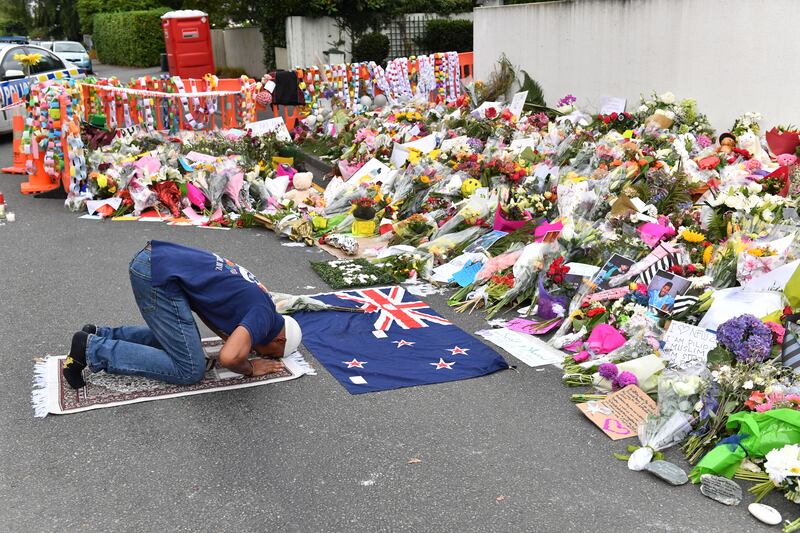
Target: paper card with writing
<point>517,103</point>
<point>612,104</point>
<point>686,346</point>
<point>271,125</point>
<point>621,412</point>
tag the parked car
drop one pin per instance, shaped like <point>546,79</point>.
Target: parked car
<point>12,74</point>
<point>47,45</point>
<point>74,52</point>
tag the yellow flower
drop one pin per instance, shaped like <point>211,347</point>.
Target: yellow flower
<point>689,235</point>
<point>28,59</point>
<point>424,179</point>
<point>707,254</point>
<point>757,252</point>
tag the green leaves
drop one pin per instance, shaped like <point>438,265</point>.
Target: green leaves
<point>130,38</point>
<point>719,355</point>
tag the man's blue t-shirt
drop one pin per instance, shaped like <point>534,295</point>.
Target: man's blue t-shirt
<point>220,291</point>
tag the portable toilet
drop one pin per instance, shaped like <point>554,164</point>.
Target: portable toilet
<point>188,39</point>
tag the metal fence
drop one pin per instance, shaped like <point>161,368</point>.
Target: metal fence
<point>404,34</point>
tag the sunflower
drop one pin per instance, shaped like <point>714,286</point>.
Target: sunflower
<point>707,254</point>
<point>690,235</point>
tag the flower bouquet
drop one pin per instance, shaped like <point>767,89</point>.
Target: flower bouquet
<point>412,230</point>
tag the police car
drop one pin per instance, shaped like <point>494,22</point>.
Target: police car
<point>12,77</point>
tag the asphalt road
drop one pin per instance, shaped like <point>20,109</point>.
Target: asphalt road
<point>297,456</point>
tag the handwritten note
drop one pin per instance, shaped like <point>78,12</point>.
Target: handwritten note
<point>612,104</point>
<point>686,345</point>
<point>271,125</point>
<point>620,414</point>
<point>517,103</point>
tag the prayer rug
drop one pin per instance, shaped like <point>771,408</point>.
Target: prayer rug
<point>398,341</point>
<point>52,394</point>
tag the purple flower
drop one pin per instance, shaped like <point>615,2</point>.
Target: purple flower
<point>704,141</point>
<point>567,100</point>
<point>623,380</point>
<point>475,144</point>
<point>608,370</point>
<point>747,337</point>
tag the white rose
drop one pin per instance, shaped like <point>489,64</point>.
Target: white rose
<point>754,187</point>
<point>642,108</point>
<point>668,98</point>
<point>767,215</point>
<point>748,384</point>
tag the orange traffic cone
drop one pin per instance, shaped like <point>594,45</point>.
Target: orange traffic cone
<point>40,181</point>
<point>18,125</point>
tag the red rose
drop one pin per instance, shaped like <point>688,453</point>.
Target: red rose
<point>491,112</point>
<point>594,312</point>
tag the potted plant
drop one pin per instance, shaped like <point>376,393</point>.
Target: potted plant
<point>364,208</point>
<point>364,215</point>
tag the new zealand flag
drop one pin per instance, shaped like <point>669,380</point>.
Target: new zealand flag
<point>397,342</point>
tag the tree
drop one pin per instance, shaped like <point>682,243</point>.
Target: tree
<point>15,18</point>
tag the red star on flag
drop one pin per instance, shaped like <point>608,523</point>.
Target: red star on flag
<point>458,351</point>
<point>441,364</point>
<point>355,363</point>
<point>401,343</point>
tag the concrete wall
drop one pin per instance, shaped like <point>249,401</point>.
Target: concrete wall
<point>307,38</point>
<point>239,48</point>
<point>732,56</point>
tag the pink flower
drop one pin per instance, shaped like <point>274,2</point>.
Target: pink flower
<point>763,407</point>
<point>793,398</point>
<point>786,160</point>
<point>581,356</point>
<point>752,165</point>
<point>777,331</point>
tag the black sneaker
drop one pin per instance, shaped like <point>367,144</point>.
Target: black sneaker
<point>91,329</point>
<point>76,361</point>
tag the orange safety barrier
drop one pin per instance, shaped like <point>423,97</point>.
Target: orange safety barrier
<point>227,112</point>
<point>289,118</point>
<point>465,62</point>
<point>18,126</point>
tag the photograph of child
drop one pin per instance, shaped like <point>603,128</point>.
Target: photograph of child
<point>615,266</point>
<point>663,289</point>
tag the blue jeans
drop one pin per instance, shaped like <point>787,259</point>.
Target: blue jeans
<point>168,348</point>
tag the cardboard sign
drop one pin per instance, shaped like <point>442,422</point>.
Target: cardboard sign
<point>686,345</point>
<point>517,103</point>
<point>271,125</point>
<point>620,414</point>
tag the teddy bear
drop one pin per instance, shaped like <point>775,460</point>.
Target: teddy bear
<point>302,190</point>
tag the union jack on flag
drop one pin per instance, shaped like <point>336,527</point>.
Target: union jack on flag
<point>393,310</point>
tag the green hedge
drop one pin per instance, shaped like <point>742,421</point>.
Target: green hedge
<point>130,38</point>
<point>444,35</point>
<point>371,47</point>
